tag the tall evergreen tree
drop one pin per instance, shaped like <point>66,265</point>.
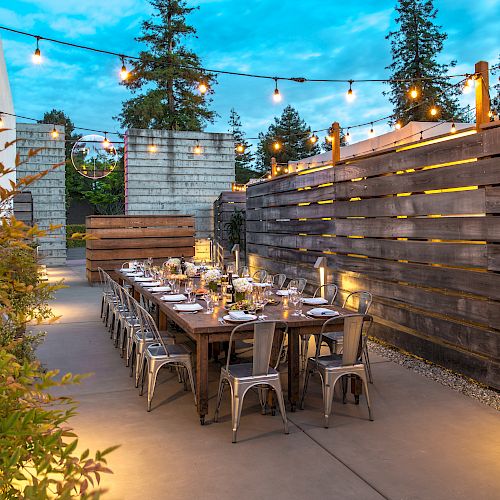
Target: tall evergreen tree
<point>293,135</point>
<point>243,161</point>
<point>415,47</point>
<point>168,74</point>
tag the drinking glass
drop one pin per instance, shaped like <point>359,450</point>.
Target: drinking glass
<point>210,305</point>
<point>188,287</point>
<point>230,269</point>
<point>245,273</point>
<point>294,300</point>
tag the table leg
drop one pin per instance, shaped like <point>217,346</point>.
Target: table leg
<point>162,321</point>
<point>202,376</point>
<point>293,367</point>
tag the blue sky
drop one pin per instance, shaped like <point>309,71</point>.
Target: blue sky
<point>327,39</point>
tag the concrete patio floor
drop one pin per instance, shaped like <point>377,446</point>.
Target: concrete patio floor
<point>427,441</point>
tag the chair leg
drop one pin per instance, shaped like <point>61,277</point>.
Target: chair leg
<point>304,389</point>
<point>281,404</point>
<point>327,401</point>
<point>262,399</point>
<point>189,369</point>
<point>139,360</point>
<point>236,406</point>
<point>367,362</point>
<point>131,357</point>
<point>220,393</point>
<point>370,416</point>
<point>102,307</point>
<point>304,347</point>
<point>143,376</point>
<point>152,373</point>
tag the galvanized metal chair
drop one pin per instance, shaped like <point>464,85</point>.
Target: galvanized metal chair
<point>300,283</point>
<point>278,281</point>
<point>158,354</point>
<point>361,302</point>
<point>258,373</point>
<point>333,367</point>
<point>260,275</point>
<point>329,292</point>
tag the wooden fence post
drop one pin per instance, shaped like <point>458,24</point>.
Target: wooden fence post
<point>482,94</point>
<point>273,167</point>
<point>335,134</point>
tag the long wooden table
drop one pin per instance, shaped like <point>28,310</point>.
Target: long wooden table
<point>204,329</point>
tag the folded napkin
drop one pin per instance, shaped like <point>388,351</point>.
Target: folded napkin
<point>173,298</point>
<point>322,311</point>
<point>143,280</point>
<point>188,307</point>
<point>261,285</point>
<point>148,284</point>
<point>155,289</point>
<point>282,293</point>
<point>240,315</point>
<point>314,301</point>
<point>132,274</point>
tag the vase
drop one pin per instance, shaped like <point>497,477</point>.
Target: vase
<point>239,296</point>
<point>212,286</point>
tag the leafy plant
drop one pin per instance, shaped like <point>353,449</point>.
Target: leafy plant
<point>234,227</point>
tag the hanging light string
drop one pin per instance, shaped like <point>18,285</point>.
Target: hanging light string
<point>124,57</point>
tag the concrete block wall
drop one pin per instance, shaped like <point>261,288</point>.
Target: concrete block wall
<point>49,198</point>
<point>173,179</point>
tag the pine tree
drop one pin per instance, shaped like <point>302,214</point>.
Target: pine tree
<point>243,162</point>
<point>415,47</point>
<point>168,74</point>
<point>293,135</point>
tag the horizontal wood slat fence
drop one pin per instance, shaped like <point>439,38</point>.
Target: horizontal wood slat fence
<point>224,207</point>
<point>23,207</point>
<point>127,237</point>
<point>418,226</point>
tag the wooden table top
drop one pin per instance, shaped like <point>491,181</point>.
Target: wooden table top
<point>202,323</point>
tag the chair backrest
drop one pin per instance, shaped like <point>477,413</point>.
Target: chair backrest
<point>260,275</point>
<point>328,291</point>
<point>352,326</point>
<point>301,284</point>
<point>148,325</point>
<point>363,298</point>
<point>263,337</point>
<point>279,281</point>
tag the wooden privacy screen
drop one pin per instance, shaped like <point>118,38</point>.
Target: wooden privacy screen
<point>128,237</point>
<point>224,207</point>
<point>23,207</point>
<point>418,226</point>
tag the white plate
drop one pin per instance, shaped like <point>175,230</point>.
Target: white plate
<point>144,280</point>
<point>314,315</point>
<point>151,284</point>
<point>156,289</point>
<point>314,301</point>
<point>188,307</point>
<point>282,293</point>
<point>173,298</point>
<point>251,317</point>
<point>132,275</point>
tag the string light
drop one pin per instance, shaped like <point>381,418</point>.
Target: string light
<point>371,131</point>
<point>348,135</point>
<point>414,92</point>
<point>152,148</point>
<point>490,114</point>
<point>313,138</point>
<point>286,170</point>
<point>203,88</point>
<point>240,148</point>
<point>398,125</point>
<point>453,128</point>
<point>276,96</point>
<point>433,111</point>
<point>2,123</point>
<point>269,176</point>
<point>469,84</point>
<point>124,74</point>
<point>105,142</point>
<point>37,55</point>
<point>329,138</point>
<point>350,96</point>
<point>277,146</point>
<point>54,134</point>
<point>197,149</point>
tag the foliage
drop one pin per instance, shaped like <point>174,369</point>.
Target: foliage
<point>168,73</point>
<point>243,162</point>
<point>107,194</point>
<point>37,449</point>
<point>495,101</point>
<point>71,231</point>
<point>235,226</point>
<point>415,47</point>
<point>293,134</point>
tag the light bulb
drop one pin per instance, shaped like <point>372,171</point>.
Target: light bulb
<point>240,148</point>
<point>469,84</point>
<point>433,111</point>
<point>286,170</point>
<point>2,122</point>
<point>124,74</point>
<point>329,138</point>
<point>37,56</point>
<point>490,114</point>
<point>105,142</point>
<point>54,134</point>
<point>350,96</point>
<point>277,146</point>
<point>313,138</point>
<point>453,128</point>
<point>276,96</point>
<point>397,125</point>
<point>371,131</point>
<point>152,148</point>
<point>414,93</point>
<point>202,87</point>
<point>197,149</point>
<point>348,136</point>
<point>269,176</point>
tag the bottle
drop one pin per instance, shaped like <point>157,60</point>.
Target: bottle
<point>183,265</point>
<point>230,288</point>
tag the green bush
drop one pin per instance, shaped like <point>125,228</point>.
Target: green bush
<point>72,229</point>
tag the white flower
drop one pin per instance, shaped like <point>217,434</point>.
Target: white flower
<point>173,262</point>
<point>212,276</point>
<point>191,269</point>
<point>242,285</point>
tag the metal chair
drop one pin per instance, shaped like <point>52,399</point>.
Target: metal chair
<point>278,281</point>
<point>158,354</point>
<point>333,367</point>
<point>260,275</point>
<point>334,340</point>
<point>258,373</point>
<point>301,284</point>
<point>329,292</point>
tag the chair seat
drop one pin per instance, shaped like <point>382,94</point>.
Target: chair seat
<point>244,371</point>
<point>157,350</point>
<point>330,362</point>
<point>149,337</point>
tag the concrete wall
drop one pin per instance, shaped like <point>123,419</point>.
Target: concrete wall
<point>49,200</point>
<point>173,180</point>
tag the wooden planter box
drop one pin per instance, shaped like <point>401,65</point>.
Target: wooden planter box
<point>136,237</point>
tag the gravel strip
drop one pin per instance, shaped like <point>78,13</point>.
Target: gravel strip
<point>444,376</point>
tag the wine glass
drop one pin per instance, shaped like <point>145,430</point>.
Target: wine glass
<point>245,273</point>
<point>188,287</point>
<point>294,298</point>
<point>209,301</point>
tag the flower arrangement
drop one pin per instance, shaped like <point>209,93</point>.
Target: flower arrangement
<point>242,285</point>
<point>212,277</point>
<point>191,270</point>
<point>173,265</point>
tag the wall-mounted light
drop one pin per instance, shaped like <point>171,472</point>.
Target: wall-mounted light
<point>321,265</point>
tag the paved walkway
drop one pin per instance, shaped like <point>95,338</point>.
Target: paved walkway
<point>427,441</point>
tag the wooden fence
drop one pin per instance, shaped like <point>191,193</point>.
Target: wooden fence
<point>128,237</point>
<point>23,207</point>
<point>418,226</point>
<point>224,207</point>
